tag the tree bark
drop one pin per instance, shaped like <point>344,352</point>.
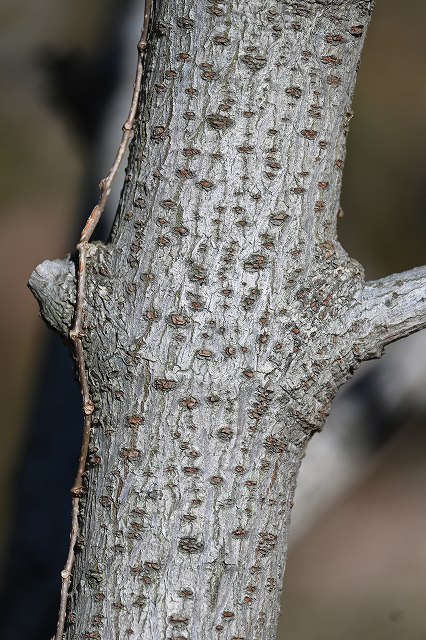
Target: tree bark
<point>220,319</point>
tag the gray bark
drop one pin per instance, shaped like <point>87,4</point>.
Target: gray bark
<point>220,319</point>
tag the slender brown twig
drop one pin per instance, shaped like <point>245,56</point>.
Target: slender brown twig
<point>77,331</point>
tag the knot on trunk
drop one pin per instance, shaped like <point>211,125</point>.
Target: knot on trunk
<point>53,284</point>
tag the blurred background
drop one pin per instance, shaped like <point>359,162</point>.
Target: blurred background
<point>357,565</point>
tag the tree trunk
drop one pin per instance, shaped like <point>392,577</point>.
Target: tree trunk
<point>220,319</point>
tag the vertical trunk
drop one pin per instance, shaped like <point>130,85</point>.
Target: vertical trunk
<point>220,319</point>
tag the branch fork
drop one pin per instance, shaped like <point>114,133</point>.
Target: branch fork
<point>376,313</point>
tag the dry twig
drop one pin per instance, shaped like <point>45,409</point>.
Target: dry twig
<point>77,330</point>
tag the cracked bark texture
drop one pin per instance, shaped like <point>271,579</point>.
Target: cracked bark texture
<point>220,319</point>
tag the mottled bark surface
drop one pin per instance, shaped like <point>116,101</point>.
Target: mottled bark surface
<point>220,319</point>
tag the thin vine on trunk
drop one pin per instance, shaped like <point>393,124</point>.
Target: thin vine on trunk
<point>213,330</point>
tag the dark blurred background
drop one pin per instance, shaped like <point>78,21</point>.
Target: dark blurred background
<point>358,569</point>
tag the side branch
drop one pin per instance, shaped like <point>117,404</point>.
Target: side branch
<point>392,308</point>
